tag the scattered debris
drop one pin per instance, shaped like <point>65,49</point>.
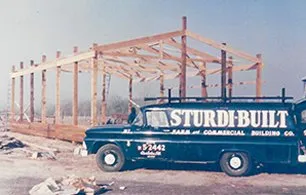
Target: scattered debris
<point>111,183</point>
<point>69,185</point>
<point>40,147</point>
<point>77,150</point>
<point>80,151</point>
<point>7,143</point>
<point>41,155</point>
<point>35,155</point>
<point>10,145</point>
<point>122,187</point>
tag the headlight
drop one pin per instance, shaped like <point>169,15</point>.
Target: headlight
<point>84,145</point>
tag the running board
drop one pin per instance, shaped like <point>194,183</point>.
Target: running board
<point>302,158</point>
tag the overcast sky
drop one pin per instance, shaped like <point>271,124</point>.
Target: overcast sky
<point>277,29</point>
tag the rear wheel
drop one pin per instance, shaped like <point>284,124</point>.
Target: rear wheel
<point>110,158</point>
<point>236,164</point>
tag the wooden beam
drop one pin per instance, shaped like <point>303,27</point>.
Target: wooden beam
<point>230,77</point>
<point>43,94</point>
<point>130,94</point>
<point>21,95</point>
<point>223,73</point>
<point>58,92</point>
<point>94,74</point>
<point>205,56</point>
<point>75,90</point>
<point>220,46</point>
<point>182,90</point>
<point>259,76</point>
<point>162,86</point>
<point>13,96</point>
<point>130,68</point>
<point>117,71</point>
<point>203,79</point>
<point>161,49</point>
<point>103,103</point>
<point>109,68</point>
<point>32,94</point>
<point>134,42</point>
<point>58,62</point>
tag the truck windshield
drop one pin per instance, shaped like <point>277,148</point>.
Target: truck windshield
<point>138,121</point>
<point>157,119</point>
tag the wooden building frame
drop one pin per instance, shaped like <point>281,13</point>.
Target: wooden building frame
<point>137,60</point>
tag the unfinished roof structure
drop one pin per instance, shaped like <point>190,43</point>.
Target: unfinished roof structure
<point>158,57</point>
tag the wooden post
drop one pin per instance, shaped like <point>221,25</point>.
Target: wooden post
<point>43,93</point>
<point>75,90</point>
<point>130,93</point>
<point>162,86</point>
<point>32,94</point>
<point>21,95</point>
<point>13,96</point>
<point>103,103</point>
<point>230,77</point>
<point>94,74</point>
<point>58,92</point>
<point>182,91</point>
<point>259,76</point>
<point>223,73</point>
<point>203,79</point>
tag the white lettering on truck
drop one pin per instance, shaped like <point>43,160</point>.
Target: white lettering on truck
<point>229,118</point>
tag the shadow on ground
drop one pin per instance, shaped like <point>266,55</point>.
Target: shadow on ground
<point>268,168</point>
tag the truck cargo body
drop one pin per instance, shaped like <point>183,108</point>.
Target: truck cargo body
<point>201,132</point>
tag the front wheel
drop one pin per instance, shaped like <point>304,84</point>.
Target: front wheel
<point>110,158</point>
<point>236,164</point>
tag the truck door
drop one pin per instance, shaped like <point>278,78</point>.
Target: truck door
<point>300,113</point>
<point>301,119</point>
<point>152,140</point>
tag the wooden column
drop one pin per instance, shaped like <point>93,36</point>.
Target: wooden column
<point>21,95</point>
<point>43,93</point>
<point>130,93</point>
<point>75,90</point>
<point>230,77</point>
<point>94,74</point>
<point>162,85</point>
<point>32,94</point>
<point>13,96</point>
<point>203,79</point>
<point>103,103</point>
<point>58,92</point>
<point>182,90</point>
<point>259,76</point>
<point>223,73</point>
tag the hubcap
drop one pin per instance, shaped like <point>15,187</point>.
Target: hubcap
<point>235,162</point>
<point>109,159</point>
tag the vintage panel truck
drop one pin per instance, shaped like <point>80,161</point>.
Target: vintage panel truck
<point>237,133</point>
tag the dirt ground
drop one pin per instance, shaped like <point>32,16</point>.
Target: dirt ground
<point>20,173</point>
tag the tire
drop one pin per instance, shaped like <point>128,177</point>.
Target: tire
<point>236,164</point>
<point>110,158</point>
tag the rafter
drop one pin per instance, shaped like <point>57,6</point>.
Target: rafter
<point>143,40</point>
<point>205,56</point>
<point>221,46</point>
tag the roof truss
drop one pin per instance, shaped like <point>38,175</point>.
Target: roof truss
<point>146,58</point>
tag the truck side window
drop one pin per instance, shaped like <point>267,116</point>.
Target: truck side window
<point>157,119</point>
<point>303,116</point>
